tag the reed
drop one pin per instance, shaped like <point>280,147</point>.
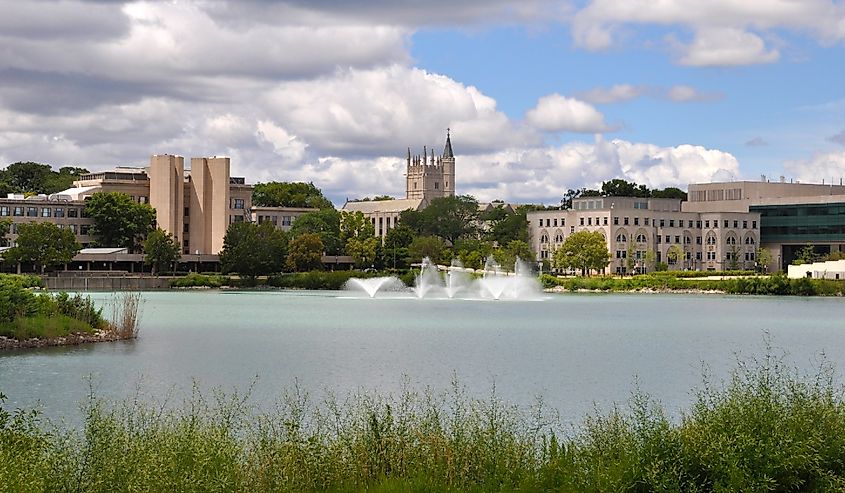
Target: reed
<point>126,314</point>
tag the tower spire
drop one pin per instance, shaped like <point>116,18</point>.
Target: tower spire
<point>447,151</point>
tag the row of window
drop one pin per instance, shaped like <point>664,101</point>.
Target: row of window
<point>286,220</point>
<point>32,211</point>
<point>663,223</point>
<point>77,229</point>
<point>641,238</point>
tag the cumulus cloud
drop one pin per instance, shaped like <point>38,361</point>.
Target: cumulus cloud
<point>684,94</point>
<point>727,47</point>
<point>556,113</point>
<point>822,166</point>
<point>725,29</point>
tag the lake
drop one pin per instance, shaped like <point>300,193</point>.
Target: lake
<point>577,351</point>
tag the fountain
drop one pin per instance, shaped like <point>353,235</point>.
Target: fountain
<point>373,285</point>
<point>493,284</point>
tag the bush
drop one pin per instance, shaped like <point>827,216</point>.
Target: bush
<point>326,280</point>
<point>192,280</point>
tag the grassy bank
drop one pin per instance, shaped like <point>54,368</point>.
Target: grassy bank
<point>767,429</point>
<point>26,315</point>
<point>777,284</point>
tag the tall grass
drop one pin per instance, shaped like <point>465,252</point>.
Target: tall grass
<point>126,314</point>
<point>768,428</point>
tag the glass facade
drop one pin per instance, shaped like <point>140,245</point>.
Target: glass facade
<point>801,223</point>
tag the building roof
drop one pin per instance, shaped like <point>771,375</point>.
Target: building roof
<point>103,251</point>
<point>373,206</point>
<point>75,193</point>
<point>447,151</point>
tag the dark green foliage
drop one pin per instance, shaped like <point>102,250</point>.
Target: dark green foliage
<point>305,253</point>
<point>118,220</point>
<point>426,246</point>
<point>5,226</point>
<point>253,249</point>
<point>621,188</point>
<point>43,245</point>
<point>285,194</point>
<point>768,428</point>
<point>161,250</point>
<point>193,280</point>
<point>325,223</point>
<point>37,178</point>
<point>449,218</point>
<point>24,315</point>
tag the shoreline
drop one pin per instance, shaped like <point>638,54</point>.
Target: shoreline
<point>11,344</point>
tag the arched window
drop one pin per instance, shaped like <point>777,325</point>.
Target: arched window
<point>558,238</point>
<point>711,239</point>
<point>641,238</point>
<point>544,238</point>
<point>620,238</point>
<point>731,240</point>
<point>749,240</point>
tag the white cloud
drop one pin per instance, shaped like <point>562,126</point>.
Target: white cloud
<point>556,113</point>
<point>829,167</point>
<point>725,29</point>
<point>727,47</point>
<point>684,94</point>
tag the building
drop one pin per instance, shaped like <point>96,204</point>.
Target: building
<point>636,228</point>
<point>196,206</point>
<point>427,177</point>
<point>281,217</point>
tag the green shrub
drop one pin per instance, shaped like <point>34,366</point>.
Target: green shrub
<point>192,279</point>
<point>317,280</point>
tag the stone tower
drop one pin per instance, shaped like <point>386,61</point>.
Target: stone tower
<point>431,177</point>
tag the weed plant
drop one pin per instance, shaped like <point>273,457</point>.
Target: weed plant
<point>768,428</point>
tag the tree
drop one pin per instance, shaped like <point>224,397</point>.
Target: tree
<point>161,250</point>
<point>29,177</point>
<point>326,223</point>
<point>621,188</point>
<point>764,259</point>
<point>507,226</point>
<point>516,249</point>
<point>584,250</point>
<point>305,253</point>
<point>669,193</point>
<point>287,194</point>
<point>5,226</point>
<point>118,220</point>
<point>806,255</point>
<point>396,243</point>
<point>363,250</point>
<point>569,196</point>
<point>253,250</point>
<point>450,218</point>
<point>426,246</point>
<point>44,245</point>
<point>473,252</point>
<point>674,254</point>
<point>354,225</point>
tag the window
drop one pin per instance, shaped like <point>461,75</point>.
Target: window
<point>677,238</point>
<point>725,222</point>
<point>605,220</point>
<point>736,223</point>
<point>287,222</point>
<point>185,243</point>
<point>46,212</point>
<point>668,239</point>
<point>731,240</point>
<point>582,220</point>
<point>589,221</point>
<point>555,222</point>
<point>749,240</point>
<point>18,211</point>
<point>72,212</point>
<point>625,222</point>
<point>4,210</point>
<point>687,240</point>
<point>662,223</point>
<point>74,229</point>
<point>744,224</point>
<point>621,238</point>
<point>616,221</point>
<point>641,238</point>
<point>187,212</point>
<point>32,211</point>
<point>646,221</point>
<point>689,223</point>
<point>436,186</point>
<point>698,255</point>
<point>143,199</point>
<point>572,229</point>
<point>237,203</point>
<point>548,222</point>
<point>707,223</point>
<point>698,240</point>
<point>563,221</point>
<point>59,212</point>
<point>636,221</point>
<point>698,224</point>
<point>711,256</point>
<point>83,229</point>
<point>185,227</point>
<point>711,239</point>
<point>671,223</point>
<point>659,239</point>
<point>753,224</point>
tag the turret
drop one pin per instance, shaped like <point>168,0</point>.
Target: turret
<point>448,163</point>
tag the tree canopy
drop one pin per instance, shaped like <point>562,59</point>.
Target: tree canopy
<point>253,250</point>
<point>621,188</point>
<point>449,218</point>
<point>289,194</point>
<point>326,223</point>
<point>118,220</point>
<point>161,250</point>
<point>305,253</point>
<point>44,245</point>
<point>584,251</point>
<point>34,178</point>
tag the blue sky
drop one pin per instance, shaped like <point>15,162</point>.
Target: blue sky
<point>541,95</point>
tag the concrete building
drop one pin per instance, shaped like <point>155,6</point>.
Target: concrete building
<point>196,206</point>
<point>637,228</point>
<point>427,177</point>
<point>281,217</point>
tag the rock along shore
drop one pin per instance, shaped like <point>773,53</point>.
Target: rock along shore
<point>8,343</point>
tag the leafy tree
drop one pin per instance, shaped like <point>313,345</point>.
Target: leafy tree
<point>118,220</point>
<point>472,253</point>
<point>363,250</point>
<point>396,243</point>
<point>764,259</point>
<point>287,194</point>
<point>450,218</point>
<point>669,193</point>
<point>354,225</point>
<point>305,253</point>
<point>253,250</point>
<point>516,249</point>
<point>588,192</point>
<point>733,258</point>
<point>806,255</point>
<point>44,245</point>
<point>621,188</point>
<point>507,226</point>
<point>674,254</point>
<point>161,250</point>
<point>326,223</point>
<point>426,246</point>
<point>584,251</point>
<point>5,226</point>
<point>569,196</point>
<point>29,177</point>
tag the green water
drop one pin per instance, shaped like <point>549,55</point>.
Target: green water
<point>576,351</point>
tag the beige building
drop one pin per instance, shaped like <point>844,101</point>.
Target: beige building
<point>427,177</point>
<point>639,231</point>
<point>196,206</point>
<point>281,217</point>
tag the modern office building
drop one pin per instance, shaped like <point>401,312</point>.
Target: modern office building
<point>196,206</point>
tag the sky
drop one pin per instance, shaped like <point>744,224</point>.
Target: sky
<point>540,96</point>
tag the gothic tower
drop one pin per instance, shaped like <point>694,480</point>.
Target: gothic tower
<point>431,177</point>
